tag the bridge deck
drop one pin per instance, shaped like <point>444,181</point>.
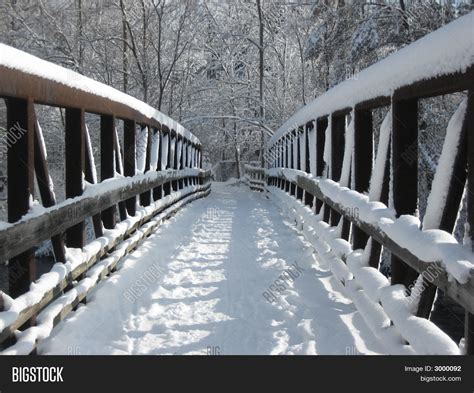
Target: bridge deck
<point>196,286</point>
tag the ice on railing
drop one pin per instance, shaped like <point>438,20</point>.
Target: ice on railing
<point>447,50</point>
<point>178,153</point>
<point>348,154</point>
<point>378,173</point>
<point>18,60</point>
<point>444,172</point>
<point>327,154</point>
<point>155,146</point>
<point>141,149</point>
<point>303,150</point>
<point>117,155</point>
<point>172,151</point>
<point>164,150</point>
<point>312,149</point>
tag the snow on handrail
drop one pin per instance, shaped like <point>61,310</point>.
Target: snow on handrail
<point>28,64</point>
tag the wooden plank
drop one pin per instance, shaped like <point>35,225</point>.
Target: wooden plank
<point>321,125</point>
<point>82,268</point>
<point>307,129</point>
<point>47,195</point>
<point>129,164</point>
<point>404,175</point>
<point>175,184</point>
<point>469,325</point>
<point>119,169</point>
<point>298,148</point>
<point>107,167</point>
<point>157,191</point>
<point>26,234</point>
<point>75,157</point>
<point>363,134</point>
<point>145,198</point>
<point>338,126</point>
<point>20,176</point>
<point>90,175</point>
<point>292,150</point>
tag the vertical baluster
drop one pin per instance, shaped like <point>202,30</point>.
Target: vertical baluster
<point>119,169</point>
<point>107,167</point>
<point>299,190</point>
<point>405,174</point>
<point>47,195</point>
<point>469,325</point>
<point>363,148</point>
<point>308,198</point>
<point>90,176</point>
<point>75,157</point>
<point>129,144</point>
<point>20,177</point>
<point>338,125</point>
<point>321,125</point>
<point>145,198</point>
<point>157,191</point>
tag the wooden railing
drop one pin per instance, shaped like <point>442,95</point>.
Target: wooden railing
<point>255,177</point>
<point>158,172</point>
<point>351,204</point>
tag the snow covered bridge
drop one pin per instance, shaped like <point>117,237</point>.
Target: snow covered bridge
<point>293,262</point>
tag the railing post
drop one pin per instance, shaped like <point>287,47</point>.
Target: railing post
<point>157,191</point>
<point>363,134</point>
<point>129,164</point>
<point>107,170</point>
<point>292,152</point>
<point>185,159</point>
<point>307,159</point>
<point>321,125</point>
<point>90,175</point>
<point>405,174</point>
<point>469,324</point>
<point>338,125</point>
<point>145,198</point>
<point>167,148</point>
<point>20,175</point>
<point>75,157</point>
<point>174,162</point>
<point>299,191</point>
<point>47,195</point>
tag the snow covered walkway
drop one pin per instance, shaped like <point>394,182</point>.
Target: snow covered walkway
<point>197,284</point>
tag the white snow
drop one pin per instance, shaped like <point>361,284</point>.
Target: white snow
<point>155,146</point>
<point>32,65</point>
<point>447,50</point>
<point>441,182</point>
<point>348,154</point>
<point>164,150</point>
<point>179,152</point>
<point>75,257</point>
<point>377,301</point>
<point>118,151</point>
<point>216,258</point>
<point>312,149</point>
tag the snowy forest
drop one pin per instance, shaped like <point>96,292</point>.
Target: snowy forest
<point>230,71</point>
